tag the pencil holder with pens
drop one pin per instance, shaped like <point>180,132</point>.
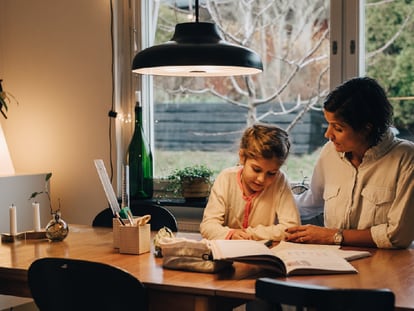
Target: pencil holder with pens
<point>132,238</point>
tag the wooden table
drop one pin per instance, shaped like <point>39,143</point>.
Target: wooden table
<point>179,290</point>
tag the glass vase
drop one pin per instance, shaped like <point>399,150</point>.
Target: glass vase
<point>57,229</point>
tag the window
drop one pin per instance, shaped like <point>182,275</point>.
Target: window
<point>305,52</point>
<point>376,40</point>
<point>389,54</point>
<point>200,120</point>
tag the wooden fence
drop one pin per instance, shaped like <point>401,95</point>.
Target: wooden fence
<point>214,127</point>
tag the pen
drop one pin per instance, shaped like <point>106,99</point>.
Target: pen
<point>130,217</point>
<point>119,218</point>
<point>126,212</point>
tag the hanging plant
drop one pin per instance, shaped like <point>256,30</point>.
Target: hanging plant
<point>5,98</point>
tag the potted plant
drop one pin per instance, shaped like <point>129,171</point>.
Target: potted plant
<point>164,188</point>
<point>194,182</point>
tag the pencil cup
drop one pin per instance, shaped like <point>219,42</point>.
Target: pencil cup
<point>134,239</point>
<point>116,223</point>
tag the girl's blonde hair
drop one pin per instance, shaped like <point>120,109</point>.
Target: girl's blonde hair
<point>265,141</point>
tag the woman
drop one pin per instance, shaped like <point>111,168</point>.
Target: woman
<point>253,200</point>
<point>363,180</point>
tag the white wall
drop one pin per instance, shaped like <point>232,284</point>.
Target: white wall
<point>55,58</point>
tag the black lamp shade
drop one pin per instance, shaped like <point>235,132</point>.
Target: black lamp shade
<point>196,49</point>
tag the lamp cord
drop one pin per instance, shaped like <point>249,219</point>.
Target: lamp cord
<point>112,114</point>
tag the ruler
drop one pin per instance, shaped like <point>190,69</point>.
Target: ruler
<point>109,191</point>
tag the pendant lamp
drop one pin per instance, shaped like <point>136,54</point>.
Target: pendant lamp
<point>197,50</point>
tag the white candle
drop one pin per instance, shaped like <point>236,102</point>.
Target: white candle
<point>36,216</point>
<point>13,220</point>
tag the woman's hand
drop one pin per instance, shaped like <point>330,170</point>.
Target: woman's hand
<point>310,234</point>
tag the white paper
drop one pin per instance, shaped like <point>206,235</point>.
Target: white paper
<point>346,254</point>
<point>36,216</point>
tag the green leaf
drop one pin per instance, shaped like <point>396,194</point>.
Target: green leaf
<point>35,194</point>
<point>3,104</point>
<point>48,176</point>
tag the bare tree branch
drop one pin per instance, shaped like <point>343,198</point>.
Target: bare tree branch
<point>290,36</point>
<point>297,66</point>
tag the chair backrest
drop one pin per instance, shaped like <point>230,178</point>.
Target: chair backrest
<point>322,298</point>
<point>73,284</point>
<point>160,216</point>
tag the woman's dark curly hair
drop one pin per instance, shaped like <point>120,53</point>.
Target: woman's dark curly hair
<point>361,102</point>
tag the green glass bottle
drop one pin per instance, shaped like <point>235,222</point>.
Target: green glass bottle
<point>139,159</point>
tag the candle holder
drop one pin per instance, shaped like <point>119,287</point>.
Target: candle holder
<point>26,235</point>
<point>35,235</point>
<point>11,238</point>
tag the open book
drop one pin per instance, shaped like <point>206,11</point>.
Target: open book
<point>288,258</point>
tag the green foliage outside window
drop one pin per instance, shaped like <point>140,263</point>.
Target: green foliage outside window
<point>390,54</point>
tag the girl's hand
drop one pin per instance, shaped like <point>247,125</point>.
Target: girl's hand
<point>240,234</point>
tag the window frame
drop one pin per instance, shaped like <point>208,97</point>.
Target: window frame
<point>139,34</point>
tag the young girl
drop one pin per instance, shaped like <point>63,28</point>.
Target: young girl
<point>253,200</point>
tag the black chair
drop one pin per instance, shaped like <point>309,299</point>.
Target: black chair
<point>73,284</point>
<point>322,298</point>
<point>160,216</point>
